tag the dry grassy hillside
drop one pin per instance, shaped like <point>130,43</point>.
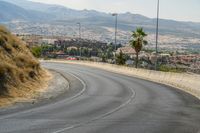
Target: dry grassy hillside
<point>20,72</point>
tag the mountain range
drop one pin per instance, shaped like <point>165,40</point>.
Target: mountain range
<point>31,13</point>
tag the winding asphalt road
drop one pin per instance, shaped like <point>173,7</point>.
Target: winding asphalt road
<point>103,102</point>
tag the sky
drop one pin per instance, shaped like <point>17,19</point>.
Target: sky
<point>182,10</point>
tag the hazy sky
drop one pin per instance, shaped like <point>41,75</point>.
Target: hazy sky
<point>186,10</point>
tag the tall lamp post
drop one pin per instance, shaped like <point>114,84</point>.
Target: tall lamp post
<point>116,16</point>
<point>157,24</point>
<point>116,19</point>
<point>79,24</point>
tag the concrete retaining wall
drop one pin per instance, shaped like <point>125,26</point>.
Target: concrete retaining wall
<point>187,82</point>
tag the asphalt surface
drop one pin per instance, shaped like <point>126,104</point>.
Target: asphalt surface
<point>103,102</point>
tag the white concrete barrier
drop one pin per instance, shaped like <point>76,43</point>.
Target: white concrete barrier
<point>189,83</point>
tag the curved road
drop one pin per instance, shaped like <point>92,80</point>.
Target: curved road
<point>103,102</point>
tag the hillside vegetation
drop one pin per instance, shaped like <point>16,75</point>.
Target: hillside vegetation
<point>20,72</point>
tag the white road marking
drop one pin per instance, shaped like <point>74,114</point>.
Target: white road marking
<point>68,99</point>
<point>101,116</point>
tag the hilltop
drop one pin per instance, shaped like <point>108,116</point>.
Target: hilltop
<point>20,73</point>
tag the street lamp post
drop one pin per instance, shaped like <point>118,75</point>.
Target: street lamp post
<point>116,19</point>
<point>79,24</point>
<point>157,24</point>
<point>116,22</point>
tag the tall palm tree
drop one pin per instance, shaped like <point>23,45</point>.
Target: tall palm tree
<point>138,41</point>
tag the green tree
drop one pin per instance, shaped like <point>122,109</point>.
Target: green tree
<point>138,41</point>
<point>73,52</point>
<point>102,55</point>
<point>121,58</point>
<point>36,51</point>
<point>85,52</point>
<point>109,51</point>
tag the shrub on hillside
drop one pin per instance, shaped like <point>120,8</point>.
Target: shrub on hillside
<point>36,51</point>
<point>166,68</point>
<point>17,64</point>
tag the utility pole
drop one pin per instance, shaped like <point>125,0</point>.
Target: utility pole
<point>157,24</point>
<point>116,22</point>
<point>79,24</point>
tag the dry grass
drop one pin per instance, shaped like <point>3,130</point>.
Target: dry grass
<point>20,73</point>
<point>26,92</point>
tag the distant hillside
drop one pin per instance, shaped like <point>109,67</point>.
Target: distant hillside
<point>29,5</point>
<point>9,12</point>
<point>19,71</point>
<point>58,20</point>
<point>33,11</point>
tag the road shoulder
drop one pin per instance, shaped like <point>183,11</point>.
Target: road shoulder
<point>56,85</point>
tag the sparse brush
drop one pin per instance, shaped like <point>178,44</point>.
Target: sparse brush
<point>17,66</point>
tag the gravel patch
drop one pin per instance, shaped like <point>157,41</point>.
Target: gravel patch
<point>58,85</point>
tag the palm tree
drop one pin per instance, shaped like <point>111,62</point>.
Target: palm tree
<point>138,41</point>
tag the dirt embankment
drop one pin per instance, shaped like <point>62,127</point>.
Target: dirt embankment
<point>21,77</point>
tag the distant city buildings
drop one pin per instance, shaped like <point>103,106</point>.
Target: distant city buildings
<point>127,50</point>
<point>148,59</point>
<point>76,47</point>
